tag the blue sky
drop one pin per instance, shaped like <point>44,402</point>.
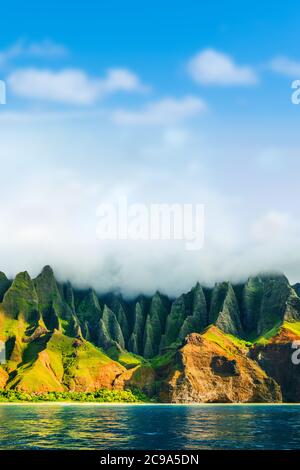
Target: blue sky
<point>156,41</point>
<point>159,101</point>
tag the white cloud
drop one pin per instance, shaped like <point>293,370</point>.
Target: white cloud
<point>71,86</point>
<point>210,67</point>
<point>67,168</point>
<point>121,80</point>
<point>285,66</point>
<point>164,112</point>
<point>67,86</point>
<point>271,225</point>
<point>44,49</point>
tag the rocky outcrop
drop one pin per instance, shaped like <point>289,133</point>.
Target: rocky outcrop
<point>196,315</point>
<point>188,314</point>
<point>21,300</point>
<point>267,301</point>
<point>135,343</point>
<point>89,313</point>
<point>142,377</point>
<point>3,378</point>
<point>212,371</point>
<point>148,325</point>
<point>57,363</point>
<point>110,332</point>
<point>52,306</point>
<point>276,358</point>
<point>38,332</point>
<point>155,325</point>
<point>251,303</point>
<point>224,310</point>
<point>226,344</point>
<point>4,285</point>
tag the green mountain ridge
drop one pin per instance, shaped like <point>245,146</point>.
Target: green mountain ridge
<point>60,338</point>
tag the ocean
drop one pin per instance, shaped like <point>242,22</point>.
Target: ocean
<point>149,427</point>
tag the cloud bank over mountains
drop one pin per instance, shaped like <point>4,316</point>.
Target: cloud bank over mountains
<point>49,206</point>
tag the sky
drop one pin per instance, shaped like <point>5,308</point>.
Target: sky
<point>157,102</point>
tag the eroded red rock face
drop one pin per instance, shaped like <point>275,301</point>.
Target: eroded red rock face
<point>3,378</point>
<point>276,359</point>
<point>206,372</point>
<point>142,377</point>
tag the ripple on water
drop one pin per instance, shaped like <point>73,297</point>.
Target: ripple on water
<point>149,427</point>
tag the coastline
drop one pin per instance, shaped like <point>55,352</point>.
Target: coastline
<point>70,403</point>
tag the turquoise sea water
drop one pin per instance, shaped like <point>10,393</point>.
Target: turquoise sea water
<point>59,426</point>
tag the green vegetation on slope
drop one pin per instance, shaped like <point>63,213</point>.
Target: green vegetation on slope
<point>127,359</point>
<point>266,336</point>
<point>61,339</point>
<point>222,339</point>
<point>163,359</point>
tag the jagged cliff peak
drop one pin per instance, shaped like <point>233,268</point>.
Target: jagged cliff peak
<point>192,348</point>
<point>148,325</point>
